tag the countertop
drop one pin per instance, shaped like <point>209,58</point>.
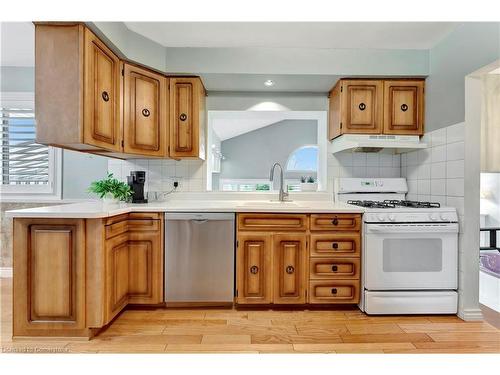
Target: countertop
<point>97,209</point>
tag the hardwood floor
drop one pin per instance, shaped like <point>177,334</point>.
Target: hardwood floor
<point>264,331</point>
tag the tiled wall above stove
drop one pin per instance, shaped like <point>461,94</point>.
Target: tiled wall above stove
<point>437,173</point>
<point>362,164</point>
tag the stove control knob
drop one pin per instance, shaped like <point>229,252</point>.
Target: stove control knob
<point>434,217</point>
<point>392,217</point>
<point>381,217</point>
<point>445,217</point>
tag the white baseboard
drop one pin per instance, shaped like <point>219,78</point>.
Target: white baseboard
<point>471,314</point>
<point>5,271</point>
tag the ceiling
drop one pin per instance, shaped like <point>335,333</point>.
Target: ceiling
<point>282,82</point>
<point>373,35</point>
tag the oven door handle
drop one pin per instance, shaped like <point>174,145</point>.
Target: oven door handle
<point>412,228</point>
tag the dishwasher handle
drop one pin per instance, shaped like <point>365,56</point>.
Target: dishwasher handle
<point>199,221</point>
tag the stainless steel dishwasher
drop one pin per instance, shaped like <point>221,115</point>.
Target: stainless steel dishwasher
<point>199,257</point>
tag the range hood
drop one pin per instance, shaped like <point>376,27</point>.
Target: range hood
<point>393,144</point>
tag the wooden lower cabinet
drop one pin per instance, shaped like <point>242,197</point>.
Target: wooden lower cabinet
<point>254,268</point>
<point>285,262</point>
<point>117,271</point>
<point>73,276</point>
<point>49,277</point>
<point>289,268</point>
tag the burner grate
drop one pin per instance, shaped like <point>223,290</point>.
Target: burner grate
<point>372,204</point>
<point>414,204</point>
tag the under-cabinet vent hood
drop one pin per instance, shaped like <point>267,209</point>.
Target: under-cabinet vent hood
<point>394,144</point>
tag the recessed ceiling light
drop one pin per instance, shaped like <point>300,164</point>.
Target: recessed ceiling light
<point>269,83</point>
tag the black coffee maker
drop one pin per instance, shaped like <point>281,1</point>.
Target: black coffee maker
<point>136,182</point>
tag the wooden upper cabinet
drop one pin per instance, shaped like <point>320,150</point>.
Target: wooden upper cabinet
<point>145,112</point>
<point>187,118</point>
<point>404,107</point>
<point>371,106</point>
<point>254,268</point>
<point>356,107</point>
<point>289,263</point>
<point>102,75</point>
<point>77,89</point>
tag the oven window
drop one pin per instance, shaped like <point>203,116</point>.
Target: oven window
<point>413,255</point>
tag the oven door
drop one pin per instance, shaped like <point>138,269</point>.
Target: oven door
<point>411,256</point>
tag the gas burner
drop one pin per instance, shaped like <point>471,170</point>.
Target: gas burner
<point>413,204</point>
<point>372,204</point>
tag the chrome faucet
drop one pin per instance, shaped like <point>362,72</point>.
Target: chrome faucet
<point>283,195</point>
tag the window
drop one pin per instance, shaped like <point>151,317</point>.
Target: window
<point>244,185</point>
<point>303,159</point>
<point>28,168</point>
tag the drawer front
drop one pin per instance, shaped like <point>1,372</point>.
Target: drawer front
<point>139,225</point>
<point>335,245</point>
<point>331,268</point>
<point>145,215</point>
<point>334,291</point>
<point>116,229</point>
<point>334,222</point>
<point>272,222</point>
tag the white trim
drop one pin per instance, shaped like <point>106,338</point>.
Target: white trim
<point>471,314</point>
<point>5,272</point>
<point>33,193</point>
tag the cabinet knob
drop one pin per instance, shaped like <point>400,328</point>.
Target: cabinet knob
<point>335,221</point>
<point>105,96</point>
<point>334,268</point>
<point>183,117</point>
<point>404,107</point>
<point>362,106</point>
<point>145,112</point>
<point>290,270</point>
<point>254,269</point>
<point>334,290</point>
<point>335,245</point>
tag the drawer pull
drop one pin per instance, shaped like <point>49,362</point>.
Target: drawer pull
<point>145,112</point>
<point>362,106</point>
<point>254,269</point>
<point>105,96</point>
<point>334,268</point>
<point>335,245</point>
<point>290,270</point>
<point>404,107</point>
<point>183,117</point>
<point>334,290</point>
<point>335,221</point>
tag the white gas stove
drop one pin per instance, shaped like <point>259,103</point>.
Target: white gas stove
<point>410,249</point>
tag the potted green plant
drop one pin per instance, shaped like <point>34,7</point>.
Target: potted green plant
<point>110,190</point>
<point>308,184</point>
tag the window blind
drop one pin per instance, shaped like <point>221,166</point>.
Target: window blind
<point>24,162</point>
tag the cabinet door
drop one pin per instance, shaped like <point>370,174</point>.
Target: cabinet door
<point>254,268</point>
<point>289,268</point>
<point>145,112</point>
<point>361,107</point>
<point>117,271</point>
<point>187,118</point>
<point>49,277</point>
<point>404,107</point>
<point>102,81</point>
<point>145,276</point>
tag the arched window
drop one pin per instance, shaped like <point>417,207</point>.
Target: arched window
<point>303,159</point>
